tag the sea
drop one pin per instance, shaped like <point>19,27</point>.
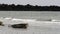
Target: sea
<point>45,28</point>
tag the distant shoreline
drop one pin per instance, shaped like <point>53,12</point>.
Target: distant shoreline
<point>28,7</point>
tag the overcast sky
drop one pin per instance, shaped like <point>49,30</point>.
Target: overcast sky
<point>32,2</point>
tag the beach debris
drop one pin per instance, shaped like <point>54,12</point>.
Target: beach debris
<point>22,25</point>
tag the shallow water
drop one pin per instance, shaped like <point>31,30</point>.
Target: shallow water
<point>33,28</point>
<point>43,29</point>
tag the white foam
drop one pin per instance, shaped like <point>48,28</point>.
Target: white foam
<point>30,21</point>
<point>8,18</point>
<point>55,20</point>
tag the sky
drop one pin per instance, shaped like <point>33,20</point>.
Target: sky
<point>32,2</point>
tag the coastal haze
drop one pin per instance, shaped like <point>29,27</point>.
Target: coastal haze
<point>32,2</point>
<point>44,27</point>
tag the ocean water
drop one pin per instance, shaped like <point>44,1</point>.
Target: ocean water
<point>43,27</point>
<point>31,14</point>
